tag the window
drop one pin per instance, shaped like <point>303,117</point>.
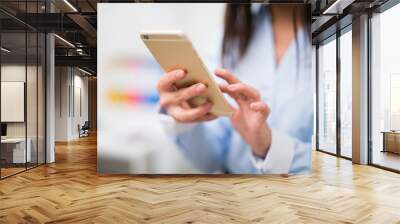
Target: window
<point>327,97</point>
<point>334,138</point>
<point>385,89</point>
<point>22,77</point>
<point>346,94</point>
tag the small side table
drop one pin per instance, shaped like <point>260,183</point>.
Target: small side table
<point>391,141</point>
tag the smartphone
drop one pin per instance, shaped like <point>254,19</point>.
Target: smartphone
<point>173,50</point>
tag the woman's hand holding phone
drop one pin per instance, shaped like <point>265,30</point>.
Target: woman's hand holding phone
<point>249,119</point>
<point>251,116</point>
<point>175,101</point>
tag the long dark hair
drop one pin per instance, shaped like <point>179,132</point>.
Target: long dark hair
<point>239,29</point>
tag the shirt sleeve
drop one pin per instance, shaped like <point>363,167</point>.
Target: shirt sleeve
<point>203,144</point>
<point>173,128</point>
<point>286,155</point>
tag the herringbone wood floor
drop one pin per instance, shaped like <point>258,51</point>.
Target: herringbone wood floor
<point>70,191</point>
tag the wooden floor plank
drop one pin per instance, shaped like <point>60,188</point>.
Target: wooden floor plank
<point>70,191</point>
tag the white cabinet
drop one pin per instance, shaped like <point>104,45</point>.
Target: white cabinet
<point>17,146</point>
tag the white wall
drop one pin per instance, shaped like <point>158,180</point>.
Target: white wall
<point>70,83</point>
<point>61,103</point>
<point>12,73</point>
<point>12,99</point>
<point>79,117</point>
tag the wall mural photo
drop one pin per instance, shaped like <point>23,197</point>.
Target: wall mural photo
<point>184,93</point>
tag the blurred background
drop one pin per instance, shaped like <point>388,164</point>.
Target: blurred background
<point>130,136</point>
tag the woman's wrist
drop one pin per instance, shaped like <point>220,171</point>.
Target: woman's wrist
<point>262,144</point>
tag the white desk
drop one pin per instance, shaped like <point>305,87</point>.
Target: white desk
<point>19,149</point>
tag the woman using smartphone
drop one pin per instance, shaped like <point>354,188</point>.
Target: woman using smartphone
<point>266,54</point>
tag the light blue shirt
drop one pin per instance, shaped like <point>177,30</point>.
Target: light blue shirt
<point>287,88</point>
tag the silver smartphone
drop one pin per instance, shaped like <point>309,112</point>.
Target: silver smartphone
<point>173,50</point>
